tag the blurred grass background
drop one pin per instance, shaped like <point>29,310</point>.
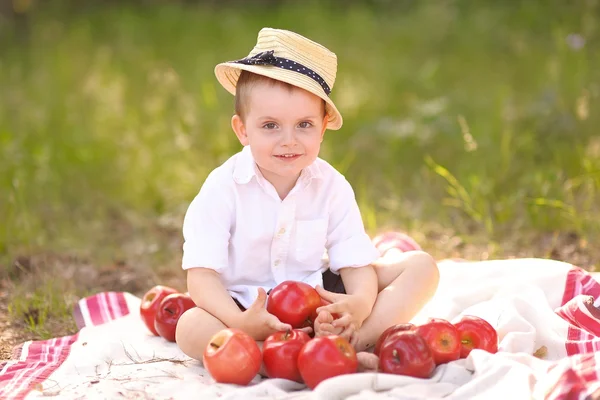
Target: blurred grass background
<point>477,118</point>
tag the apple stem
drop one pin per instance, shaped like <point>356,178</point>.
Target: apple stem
<point>395,354</point>
<point>344,350</point>
<point>215,346</point>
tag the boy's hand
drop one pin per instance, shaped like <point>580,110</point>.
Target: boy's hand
<point>352,309</point>
<point>259,323</point>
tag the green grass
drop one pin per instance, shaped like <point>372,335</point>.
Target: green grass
<point>476,116</point>
<point>44,311</point>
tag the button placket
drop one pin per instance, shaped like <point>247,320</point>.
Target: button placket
<point>281,241</point>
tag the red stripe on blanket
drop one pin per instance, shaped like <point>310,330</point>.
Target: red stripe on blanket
<point>580,282</point>
<point>105,307</point>
<point>579,377</point>
<point>580,372</point>
<point>42,358</point>
<point>112,306</point>
<point>95,310</point>
<point>119,304</point>
<point>581,289</point>
<point>122,303</point>
<point>19,377</point>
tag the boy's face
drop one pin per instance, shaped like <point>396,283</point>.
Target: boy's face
<point>284,128</point>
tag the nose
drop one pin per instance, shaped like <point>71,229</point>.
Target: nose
<point>288,138</point>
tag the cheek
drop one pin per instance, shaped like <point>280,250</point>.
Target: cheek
<point>313,148</point>
<point>262,146</point>
<point>315,141</point>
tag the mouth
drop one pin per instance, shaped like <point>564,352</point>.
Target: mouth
<point>287,156</point>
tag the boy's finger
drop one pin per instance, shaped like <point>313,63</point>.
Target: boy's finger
<point>347,333</point>
<point>326,294</point>
<point>261,299</point>
<point>306,329</point>
<point>277,325</point>
<point>333,308</point>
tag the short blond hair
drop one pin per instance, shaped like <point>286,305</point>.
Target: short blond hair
<point>246,82</point>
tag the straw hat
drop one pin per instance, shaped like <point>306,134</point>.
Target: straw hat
<point>291,58</point>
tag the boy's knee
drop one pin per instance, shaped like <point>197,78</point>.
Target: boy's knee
<point>185,332</point>
<point>194,330</point>
<point>426,265</point>
<point>184,324</point>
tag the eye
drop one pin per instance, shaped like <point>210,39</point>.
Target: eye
<point>270,125</point>
<point>305,124</point>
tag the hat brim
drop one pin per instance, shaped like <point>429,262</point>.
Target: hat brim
<point>228,74</point>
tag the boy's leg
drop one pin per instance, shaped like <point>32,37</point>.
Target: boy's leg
<point>406,281</point>
<point>194,330</point>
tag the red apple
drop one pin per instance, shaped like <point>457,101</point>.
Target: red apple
<point>294,303</point>
<point>232,356</point>
<point>168,314</point>
<point>442,338</point>
<point>151,302</point>
<point>392,329</point>
<point>280,354</point>
<point>325,357</point>
<point>406,353</point>
<point>476,333</point>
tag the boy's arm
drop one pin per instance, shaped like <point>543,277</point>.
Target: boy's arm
<point>351,253</point>
<point>207,291</point>
<point>348,245</point>
<point>206,231</point>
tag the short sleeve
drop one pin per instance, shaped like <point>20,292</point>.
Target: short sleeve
<point>207,226</point>
<point>348,245</point>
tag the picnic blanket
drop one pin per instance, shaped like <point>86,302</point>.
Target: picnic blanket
<point>544,311</point>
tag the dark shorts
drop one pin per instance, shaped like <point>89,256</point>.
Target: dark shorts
<point>331,282</point>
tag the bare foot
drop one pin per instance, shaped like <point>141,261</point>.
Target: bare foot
<point>367,362</point>
<point>323,326</point>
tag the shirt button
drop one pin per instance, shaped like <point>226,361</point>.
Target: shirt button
<point>276,263</point>
<point>282,231</point>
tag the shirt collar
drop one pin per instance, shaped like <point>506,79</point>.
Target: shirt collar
<point>245,168</point>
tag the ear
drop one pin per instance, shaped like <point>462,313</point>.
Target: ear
<point>325,119</point>
<point>240,129</point>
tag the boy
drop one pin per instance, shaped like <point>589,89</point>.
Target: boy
<point>269,212</point>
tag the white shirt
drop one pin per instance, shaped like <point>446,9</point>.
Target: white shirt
<point>238,226</point>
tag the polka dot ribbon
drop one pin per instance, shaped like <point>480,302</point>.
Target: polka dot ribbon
<point>267,58</point>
